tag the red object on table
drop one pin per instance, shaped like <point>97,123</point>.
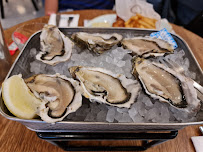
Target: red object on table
<point>22,38</point>
<point>12,48</point>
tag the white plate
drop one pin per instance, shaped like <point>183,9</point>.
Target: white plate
<point>102,21</point>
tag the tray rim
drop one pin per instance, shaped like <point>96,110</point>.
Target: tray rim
<point>98,123</point>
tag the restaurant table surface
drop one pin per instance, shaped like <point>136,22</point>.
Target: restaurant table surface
<point>15,137</point>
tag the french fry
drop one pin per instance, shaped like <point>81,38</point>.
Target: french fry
<point>139,16</point>
<point>149,21</point>
<point>140,21</point>
<point>146,25</point>
<point>141,26</point>
<point>132,22</point>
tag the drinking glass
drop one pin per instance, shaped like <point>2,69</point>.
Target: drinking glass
<point>5,58</point>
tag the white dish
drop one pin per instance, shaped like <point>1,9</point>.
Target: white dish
<point>102,21</point>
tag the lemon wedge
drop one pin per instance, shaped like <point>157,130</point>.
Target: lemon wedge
<point>18,98</point>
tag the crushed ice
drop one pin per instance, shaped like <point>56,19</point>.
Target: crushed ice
<point>118,61</point>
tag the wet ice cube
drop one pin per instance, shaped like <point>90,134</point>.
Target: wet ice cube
<point>186,63</point>
<point>138,118</point>
<point>121,63</point>
<point>128,64</point>
<point>132,112</point>
<point>94,108</point>
<point>74,51</point>
<point>127,57</point>
<point>118,70</point>
<point>70,116</point>
<point>58,68</point>
<point>109,59</point>
<point>151,113</point>
<point>142,112</point>
<point>75,57</point>
<point>94,60</point>
<point>158,104</point>
<point>35,67</point>
<point>122,110</point>
<point>33,52</point>
<point>115,61</point>
<point>110,115</point>
<point>165,115</point>
<point>147,101</point>
<point>114,52</point>
<point>101,116</point>
<point>42,68</point>
<point>139,107</point>
<point>118,116</point>
<point>141,96</point>
<point>125,118</point>
<point>83,110</point>
<point>90,117</point>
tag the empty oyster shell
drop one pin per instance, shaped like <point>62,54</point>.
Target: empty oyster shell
<point>147,46</point>
<point>163,83</point>
<point>96,42</point>
<point>55,46</point>
<point>105,87</point>
<point>60,95</point>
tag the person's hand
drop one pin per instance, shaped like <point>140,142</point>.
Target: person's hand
<point>51,6</point>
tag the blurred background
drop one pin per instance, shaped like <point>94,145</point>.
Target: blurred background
<point>18,11</point>
<point>187,13</point>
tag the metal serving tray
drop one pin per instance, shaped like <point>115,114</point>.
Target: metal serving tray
<point>22,65</point>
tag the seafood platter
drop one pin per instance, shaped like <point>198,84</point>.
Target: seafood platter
<point>106,79</point>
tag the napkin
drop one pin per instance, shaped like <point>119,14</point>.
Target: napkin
<point>128,8</point>
<point>63,20</point>
<point>198,143</point>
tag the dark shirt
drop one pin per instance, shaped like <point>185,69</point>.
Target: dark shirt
<point>180,12</point>
<point>85,4</point>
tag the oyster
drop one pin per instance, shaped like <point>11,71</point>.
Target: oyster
<point>105,87</point>
<point>96,42</point>
<point>55,46</point>
<point>60,95</point>
<point>163,83</point>
<point>147,46</point>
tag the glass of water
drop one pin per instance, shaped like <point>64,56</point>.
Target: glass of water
<point>5,58</point>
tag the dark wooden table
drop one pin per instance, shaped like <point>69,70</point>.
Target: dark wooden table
<point>14,137</point>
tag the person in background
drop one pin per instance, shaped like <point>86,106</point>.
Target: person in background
<point>186,13</point>
<point>53,6</point>
<point>180,12</point>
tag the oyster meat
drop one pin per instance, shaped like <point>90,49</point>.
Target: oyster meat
<point>147,46</point>
<point>60,95</point>
<point>166,85</point>
<point>54,45</point>
<point>103,86</point>
<point>96,42</point>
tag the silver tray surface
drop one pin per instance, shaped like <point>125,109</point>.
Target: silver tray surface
<point>22,66</point>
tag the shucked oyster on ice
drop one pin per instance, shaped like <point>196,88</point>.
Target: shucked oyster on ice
<point>96,42</point>
<point>106,87</point>
<point>163,83</point>
<point>147,46</point>
<point>60,95</point>
<point>55,46</point>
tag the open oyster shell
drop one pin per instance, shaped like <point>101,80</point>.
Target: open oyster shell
<point>166,85</point>
<point>147,46</point>
<point>103,86</point>
<point>60,95</point>
<point>96,42</point>
<point>55,46</point>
